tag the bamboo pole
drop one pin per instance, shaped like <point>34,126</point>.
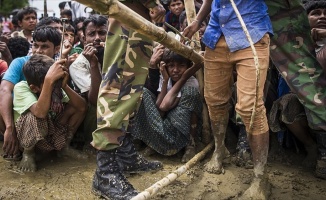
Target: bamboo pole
<point>151,191</point>
<point>191,15</point>
<point>257,66</point>
<point>125,15</point>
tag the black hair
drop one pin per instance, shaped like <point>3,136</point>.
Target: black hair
<point>47,21</point>
<point>18,47</point>
<point>168,2</point>
<point>182,17</point>
<point>77,21</point>
<point>170,56</point>
<point>314,4</point>
<point>35,69</point>
<point>98,20</point>
<point>63,4</point>
<point>66,12</point>
<point>70,28</point>
<point>47,33</point>
<point>25,11</point>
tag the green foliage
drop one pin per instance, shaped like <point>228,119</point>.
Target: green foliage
<point>7,6</point>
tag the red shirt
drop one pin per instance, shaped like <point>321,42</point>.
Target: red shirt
<point>3,67</point>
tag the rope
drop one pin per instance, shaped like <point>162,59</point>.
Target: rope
<point>257,66</point>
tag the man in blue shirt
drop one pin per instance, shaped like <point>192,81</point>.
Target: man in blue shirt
<point>228,48</point>
<point>47,42</point>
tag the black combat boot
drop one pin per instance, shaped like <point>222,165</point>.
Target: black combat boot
<point>244,157</point>
<point>131,161</point>
<point>320,171</point>
<point>108,181</point>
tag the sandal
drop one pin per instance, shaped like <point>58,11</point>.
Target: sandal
<point>16,157</point>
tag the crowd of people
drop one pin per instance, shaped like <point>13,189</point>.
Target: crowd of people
<point>88,78</point>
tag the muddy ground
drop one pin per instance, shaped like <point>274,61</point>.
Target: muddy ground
<point>71,179</point>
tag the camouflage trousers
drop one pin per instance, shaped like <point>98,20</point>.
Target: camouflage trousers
<point>124,72</point>
<point>293,54</point>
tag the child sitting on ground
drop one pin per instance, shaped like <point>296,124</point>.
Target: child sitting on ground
<point>40,122</point>
<point>168,129</point>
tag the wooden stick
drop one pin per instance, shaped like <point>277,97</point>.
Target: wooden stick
<point>133,20</point>
<point>191,16</point>
<point>149,192</point>
<point>257,66</point>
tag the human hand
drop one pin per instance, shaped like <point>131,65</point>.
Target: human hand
<point>56,71</point>
<point>4,48</point>
<point>157,14</point>
<point>89,53</point>
<point>10,143</point>
<point>318,34</point>
<point>71,59</point>
<point>156,56</point>
<point>5,37</point>
<point>191,29</point>
<point>67,46</point>
<point>163,71</point>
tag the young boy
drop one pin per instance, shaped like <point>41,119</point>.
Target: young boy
<point>37,124</point>
<point>172,16</point>
<point>27,19</point>
<point>169,129</point>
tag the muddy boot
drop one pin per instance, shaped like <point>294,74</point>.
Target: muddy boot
<point>218,131</point>
<point>243,158</point>
<point>131,161</point>
<point>260,187</point>
<point>320,171</point>
<point>108,180</point>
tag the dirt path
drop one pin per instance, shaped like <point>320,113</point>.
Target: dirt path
<point>71,179</point>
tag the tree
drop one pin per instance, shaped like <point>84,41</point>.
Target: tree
<point>7,6</point>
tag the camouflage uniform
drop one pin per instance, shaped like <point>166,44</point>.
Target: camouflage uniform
<point>293,53</point>
<point>124,72</point>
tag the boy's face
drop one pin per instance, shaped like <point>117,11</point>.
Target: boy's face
<point>176,7</point>
<point>175,70</point>
<point>202,29</point>
<point>70,36</point>
<point>28,22</point>
<point>95,34</point>
<point>317,18</point>
<point>45,48</point>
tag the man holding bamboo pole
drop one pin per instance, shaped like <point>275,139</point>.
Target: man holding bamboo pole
<point>227,48</point>
<point>123,75</point>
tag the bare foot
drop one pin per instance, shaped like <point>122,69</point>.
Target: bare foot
<point>215,166</point>
<point>260,189</point>
<point>28,164</point>
<point>311,158</point>
<point>72,153</point>
<point>190,152</point>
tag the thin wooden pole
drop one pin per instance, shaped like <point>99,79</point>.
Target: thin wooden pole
<point>191,15</point>
<point>133,20</point>
<point>151,191</point>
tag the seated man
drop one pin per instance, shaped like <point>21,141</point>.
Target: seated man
<point>168,130</point>
<point>85,71</point>
<point>37,120</point>
<point>47,42</point>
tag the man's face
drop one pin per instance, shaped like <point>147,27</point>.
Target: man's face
<point>95,34</point>
<point>45,48</point>
<point>317,18</point>
<point>80,33</point>
<point>57,26</point>
<point>28,22</point>
<point>176,7</point>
